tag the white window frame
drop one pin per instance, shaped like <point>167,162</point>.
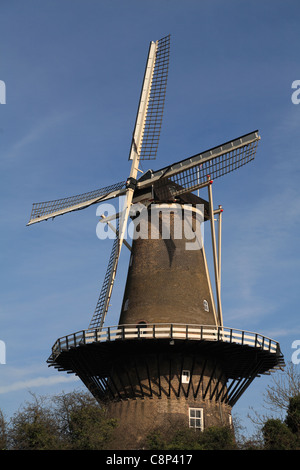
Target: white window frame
<point>196,418</point>
<point>185,376</point>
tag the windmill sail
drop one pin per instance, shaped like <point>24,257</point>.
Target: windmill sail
<point>191,173</point>
<point>101,309</point>
<point>144,146</point>
<point>47,210</point>
<point>150,113</point>
<point>156,102</point>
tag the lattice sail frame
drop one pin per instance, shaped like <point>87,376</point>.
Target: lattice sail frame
<point>191,174</point>
<point>101,309</point>
<point>154,116</point>
<point>46,210</point>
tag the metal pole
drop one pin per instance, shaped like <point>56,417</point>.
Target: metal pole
<point>115,230</point>
<point>215,256</point>
<point>220,243</point>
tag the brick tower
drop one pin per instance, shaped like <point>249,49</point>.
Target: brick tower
<point>170,360</point>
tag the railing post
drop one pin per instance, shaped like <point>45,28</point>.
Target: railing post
<point>108,334</point>
<point>153,331</point>
<point>171,331</point>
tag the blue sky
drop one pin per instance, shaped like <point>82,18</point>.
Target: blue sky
<point>73,71</point>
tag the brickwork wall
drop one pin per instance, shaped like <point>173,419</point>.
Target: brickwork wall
<point>167,283</point>
<point>166,399</point>
<point>137,418</point>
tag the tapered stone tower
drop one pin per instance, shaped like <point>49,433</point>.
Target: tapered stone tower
<point>170,360</point>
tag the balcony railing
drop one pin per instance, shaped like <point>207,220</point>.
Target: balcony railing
<point>170,331</point>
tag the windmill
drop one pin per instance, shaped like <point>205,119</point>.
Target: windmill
<point>170,356</point>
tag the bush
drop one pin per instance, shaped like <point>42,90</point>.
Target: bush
<point>213,438</point>
<point>66,422</point>
<point>277,436</point>
<point>293,415</point>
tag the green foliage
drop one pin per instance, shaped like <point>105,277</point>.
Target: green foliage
<point>33,428</point>
<point>277,436</point>
<point>3,432</point>
<point>280,435</point>
<point>293,415</point>
<point>66,422</point>
<point>89,428</point>
<point>213,438</point>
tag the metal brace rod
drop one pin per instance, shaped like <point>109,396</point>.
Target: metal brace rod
<point>215,255</point>
<point>219,211</point>
<point>116,231</point>
<point>220,243</point>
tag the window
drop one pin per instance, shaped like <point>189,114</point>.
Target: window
<point>205,306</point>
<point>196,418</point>
<point>185,377</point>
<point>126,305</point>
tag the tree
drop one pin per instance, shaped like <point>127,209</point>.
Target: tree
<point>90,429</point>
<point>67,421</point>
<point>277,436</point>
<point>34,428</point>
<point>285,384</point>
<point>293,415</point>
<point>3,432</point>
<point>283,396</point>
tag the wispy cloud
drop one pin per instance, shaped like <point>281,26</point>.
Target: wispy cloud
<point>39,130</point>
<point>35,382</point>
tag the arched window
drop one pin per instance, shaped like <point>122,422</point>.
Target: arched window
<point>205,305</point>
